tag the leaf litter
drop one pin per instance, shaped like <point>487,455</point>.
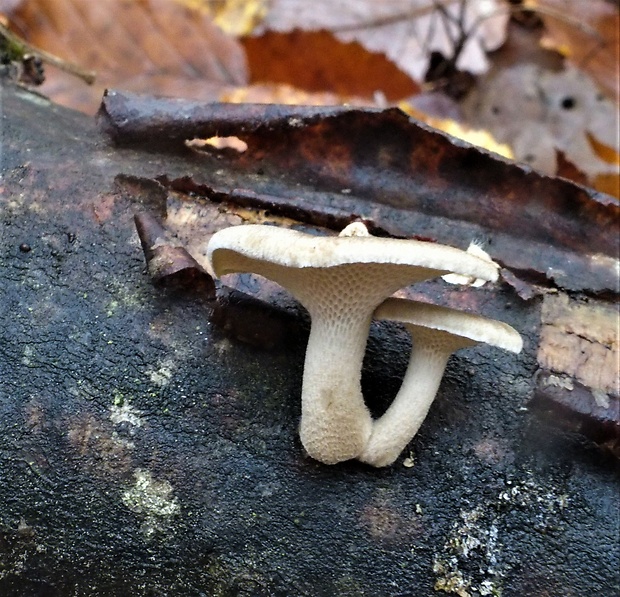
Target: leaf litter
<point>560,120</point>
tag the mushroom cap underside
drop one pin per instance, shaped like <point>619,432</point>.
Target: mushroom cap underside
<point>294,249</point>
<point>455,322</point>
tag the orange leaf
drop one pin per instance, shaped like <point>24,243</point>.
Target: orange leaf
<point>317,61</point>
<point>406,31</point>
<point>602,150</point>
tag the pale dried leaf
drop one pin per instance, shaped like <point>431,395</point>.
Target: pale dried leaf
<point>235,17</point>
<point>7,6</point>
<point>539,113</point>
<point>588,33</point>
<point>286,94</point>
<point>454,127</point>
<point>406,31</point>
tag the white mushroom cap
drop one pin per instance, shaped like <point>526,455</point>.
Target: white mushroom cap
<point>437,332</point>
<point>468,326</point>
<point>340,281</point>
<point>238,248</point>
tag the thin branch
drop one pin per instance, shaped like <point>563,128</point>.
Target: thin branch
<point>459,38</point>
<point>25,48</point>
<point>395,18</point>
<point>581,26</point>
<point>447,19</point>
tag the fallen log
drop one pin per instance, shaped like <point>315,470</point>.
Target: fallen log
<point>148,435</point>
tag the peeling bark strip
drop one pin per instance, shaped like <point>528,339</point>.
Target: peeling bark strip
<point>579,355</point>
<point>580,340</point>
<point>166,123</point>
<point>170,265</point>
<point>409,180</point>
<point>333,217</point>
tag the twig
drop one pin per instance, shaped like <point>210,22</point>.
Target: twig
<point>25,48</point>
<point>531,7</point>
<point>395,18</point>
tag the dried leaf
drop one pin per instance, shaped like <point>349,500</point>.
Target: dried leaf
<point>477,137</point>
<point>406,31</point>
<point>286,94</point>
<point>235,17</point>
<point>153,45</point>
<point>605,152</point>
<point>540,113</point>
<point>318,61</point>
<point>588,33</point>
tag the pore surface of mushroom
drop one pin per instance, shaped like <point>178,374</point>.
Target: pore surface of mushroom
<point>340,281</point>
<point>436,333</point>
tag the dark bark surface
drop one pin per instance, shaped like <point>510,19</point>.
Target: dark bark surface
<point>148,436</point>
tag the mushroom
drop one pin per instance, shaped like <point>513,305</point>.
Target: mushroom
<point>475,248</point>
<point>436,333</point>
<point>340,281</point>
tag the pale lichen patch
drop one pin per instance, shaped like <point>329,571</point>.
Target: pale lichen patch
<point>560,381</point>
<point>153,500</point>
<point>601,398</point>
<point>125,413</point>
<point>471,563</point>
<point>27,355</point>
<point>163,374</point>
<point>223,346</point>
<point>469,538</point>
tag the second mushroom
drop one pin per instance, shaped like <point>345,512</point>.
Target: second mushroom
<point>436,332</point>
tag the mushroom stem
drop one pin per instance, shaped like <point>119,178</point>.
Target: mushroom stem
<point>397,426</point>
<point>335,422</point>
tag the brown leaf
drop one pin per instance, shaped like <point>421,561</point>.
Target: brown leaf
<point>155,45</point>
<point>540,112</point>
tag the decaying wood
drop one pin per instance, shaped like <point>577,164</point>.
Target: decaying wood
<point>169,264</point>
<point>148,437</point>
<point>579,359</point>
